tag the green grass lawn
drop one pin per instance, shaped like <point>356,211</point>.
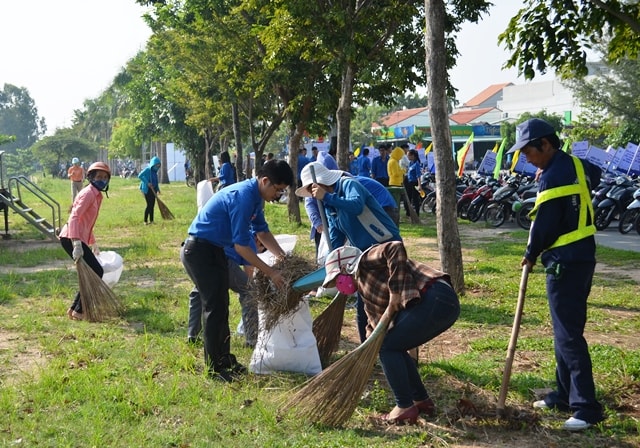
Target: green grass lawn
<point>136,382</point>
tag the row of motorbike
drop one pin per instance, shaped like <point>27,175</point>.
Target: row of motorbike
<point>512,198</point>
<point>617,197</point>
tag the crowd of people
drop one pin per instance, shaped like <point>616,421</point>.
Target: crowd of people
<point>366,257</point>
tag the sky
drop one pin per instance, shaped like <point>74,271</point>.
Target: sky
<point>66,51</point>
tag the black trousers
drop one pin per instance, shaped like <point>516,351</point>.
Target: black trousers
<point>150,198</point>
<point>206,265</point>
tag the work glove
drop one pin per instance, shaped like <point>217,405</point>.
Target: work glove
<point>77,250</point>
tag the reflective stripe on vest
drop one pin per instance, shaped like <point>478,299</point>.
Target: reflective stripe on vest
<point>581,189</point>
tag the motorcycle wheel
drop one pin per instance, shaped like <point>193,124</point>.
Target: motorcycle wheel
<point>429,204</point>
<point>522,216</point>
<point>476,212</point>
<point>627,220</point>
<point>637,224</point>
<point>463,208</point>
<point>602,219</point>
<point>495,214</point>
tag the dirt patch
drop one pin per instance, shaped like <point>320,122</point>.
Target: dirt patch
<point>18,359</point>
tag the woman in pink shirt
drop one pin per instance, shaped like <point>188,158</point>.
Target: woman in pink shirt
<point>76,236</point>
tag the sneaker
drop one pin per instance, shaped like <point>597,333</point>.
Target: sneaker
<point>575,424</point>
<point>540,404</point>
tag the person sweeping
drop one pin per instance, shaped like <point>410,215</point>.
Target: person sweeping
<point>76,236</point>
<point>420,299</point>
<point>149,187</point>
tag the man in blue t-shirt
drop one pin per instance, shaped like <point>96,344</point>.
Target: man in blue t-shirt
<point>227,219</point>
<point>379,166</point>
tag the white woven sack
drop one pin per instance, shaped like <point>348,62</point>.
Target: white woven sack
<point>290,346</point>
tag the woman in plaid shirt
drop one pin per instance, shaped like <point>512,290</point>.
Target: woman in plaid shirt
<point>424,304</point>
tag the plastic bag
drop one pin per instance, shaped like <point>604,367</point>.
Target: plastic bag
<point>112,265</point>
<point>290,345</point>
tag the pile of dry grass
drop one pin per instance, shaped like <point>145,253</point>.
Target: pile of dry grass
<point>98,300</point>
<point>278,303</point>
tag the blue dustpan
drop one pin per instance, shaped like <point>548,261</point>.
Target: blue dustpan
<point>310,281</point>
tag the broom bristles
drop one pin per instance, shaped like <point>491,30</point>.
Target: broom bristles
<point>98,300</point>
<point>327,327</point>
<point>331,397</point>
<point>164,210</point>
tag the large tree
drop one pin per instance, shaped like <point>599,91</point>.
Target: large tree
<point>19,118</point>
<point>441,51</point>
<point>558,34</point>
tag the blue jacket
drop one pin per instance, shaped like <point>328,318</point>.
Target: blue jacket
<point>354,214</point>
<point>149,175</point>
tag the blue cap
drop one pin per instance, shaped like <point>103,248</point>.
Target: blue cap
<point>530,130</point>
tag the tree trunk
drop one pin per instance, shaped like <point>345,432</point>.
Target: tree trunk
<point>343,116</point>
<point>237,135</point>
<point>446,218</point>
<point>161,150</point>
<point>294,144</point>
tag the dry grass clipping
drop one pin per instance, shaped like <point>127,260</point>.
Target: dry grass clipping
<point>331,397</point>
<point>278,303</point>
<point>98,300</point>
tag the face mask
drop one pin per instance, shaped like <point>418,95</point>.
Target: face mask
<point>155,167</point>
<point>101,185</point>
<point>345,284</point>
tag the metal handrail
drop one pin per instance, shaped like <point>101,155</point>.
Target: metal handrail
<point>39,193</point>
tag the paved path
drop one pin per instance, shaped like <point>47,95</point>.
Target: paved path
<point>611,237</point>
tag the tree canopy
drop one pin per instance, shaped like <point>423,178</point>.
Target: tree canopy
<point>19,118</point>
<point>558,34</point>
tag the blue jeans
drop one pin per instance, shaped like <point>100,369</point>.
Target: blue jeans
<point>436,311</point>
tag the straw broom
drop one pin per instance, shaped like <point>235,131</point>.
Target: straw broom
<point>164,210</point>
<point>327,327</point>
<point>98,300</point>
<point>331,397</point>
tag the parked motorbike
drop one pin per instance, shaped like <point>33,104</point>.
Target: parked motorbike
<point>618,198</point>
<point>479,203</point>
<point>507,200</point>
<point>630,215</point>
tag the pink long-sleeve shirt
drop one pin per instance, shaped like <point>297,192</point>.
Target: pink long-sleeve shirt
<point>84,214</point>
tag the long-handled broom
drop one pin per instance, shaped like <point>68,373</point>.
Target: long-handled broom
<point>164,210</point>
<point>331,396</point>
<point>98,300</point>
<point>511,350</point>
<point>328,324</point>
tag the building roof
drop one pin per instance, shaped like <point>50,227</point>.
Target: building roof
<point>486,94</point>
<point>398,116</point>
<point>469,116</point>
